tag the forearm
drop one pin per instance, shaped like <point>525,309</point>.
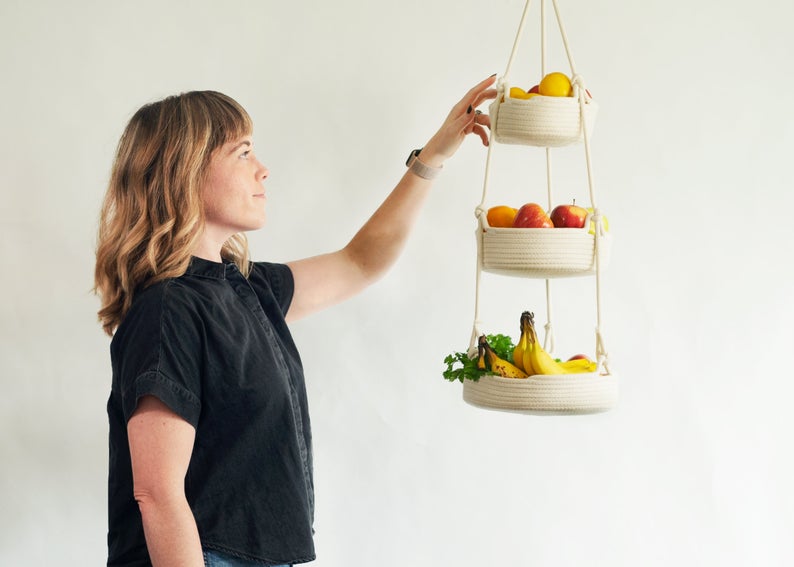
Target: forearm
<point>378,244</point>
<point>171,533</point>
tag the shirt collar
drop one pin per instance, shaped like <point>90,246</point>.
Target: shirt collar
<point>208,269</point>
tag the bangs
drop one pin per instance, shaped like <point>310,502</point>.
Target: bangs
<point>226,118</point>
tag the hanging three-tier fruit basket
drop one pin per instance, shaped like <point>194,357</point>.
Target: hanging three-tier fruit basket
<point>544,253</point>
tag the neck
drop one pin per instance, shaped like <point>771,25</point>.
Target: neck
<point>209,246</point>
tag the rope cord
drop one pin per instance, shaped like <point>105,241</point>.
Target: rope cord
<point>542,38</point>
<point>479,212</point>
<point>517,40</point>
<point>602,355</point>
<point>564,37</point>
<point>548,338</point>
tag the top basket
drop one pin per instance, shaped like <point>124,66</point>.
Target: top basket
<point>545,121</point>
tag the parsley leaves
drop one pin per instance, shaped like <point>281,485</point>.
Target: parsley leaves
<point>460,367</point>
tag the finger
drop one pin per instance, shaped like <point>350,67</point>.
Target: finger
<point>479,87</point>
<point>483,119</point>
<point>464,123</point>
<point>482,85</point>
<point>471,97</point>
<point>482,133</point>
<point>483,96</point>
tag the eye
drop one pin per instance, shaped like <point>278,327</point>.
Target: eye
<point>245,154</point>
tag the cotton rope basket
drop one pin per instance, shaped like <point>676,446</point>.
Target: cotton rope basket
<point>552,394</point>
<point>546,394</point>
<point>546,121</point>
<point>542,120</point>
<point>547,253</point>
<point>542,252</point>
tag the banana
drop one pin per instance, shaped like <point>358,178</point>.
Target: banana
<point>543,363</point>
<point>481,358</point>
<point>526,355</point>
<point>579,365</point>
<point>499,365</point>
<point>521,348</point>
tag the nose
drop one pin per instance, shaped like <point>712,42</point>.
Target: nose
<point>262,172</point>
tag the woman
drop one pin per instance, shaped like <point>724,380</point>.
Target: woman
<point>210,442</point>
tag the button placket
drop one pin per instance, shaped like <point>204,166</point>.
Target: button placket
<point>245,292</point>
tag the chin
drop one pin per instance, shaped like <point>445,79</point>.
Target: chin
<point>260,223</point>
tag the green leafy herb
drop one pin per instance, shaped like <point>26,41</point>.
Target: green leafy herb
<point>461,367</point>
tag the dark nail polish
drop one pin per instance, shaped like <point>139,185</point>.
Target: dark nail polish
<point>468,110</point>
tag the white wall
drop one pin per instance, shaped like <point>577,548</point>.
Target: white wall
<point>691,163</point>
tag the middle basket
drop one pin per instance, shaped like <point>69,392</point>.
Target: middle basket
<point>542,252</point>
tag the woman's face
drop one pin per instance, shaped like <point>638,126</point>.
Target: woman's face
<point>234,194</point>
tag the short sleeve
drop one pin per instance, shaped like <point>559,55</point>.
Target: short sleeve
<point>179,399</point>
<point>278,278</point>
<point>157,351</point>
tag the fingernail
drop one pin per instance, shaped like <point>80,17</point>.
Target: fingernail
<point>492,75</point>
<point>468,110</point>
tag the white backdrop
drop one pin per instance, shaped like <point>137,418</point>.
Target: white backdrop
<point>690,153</point>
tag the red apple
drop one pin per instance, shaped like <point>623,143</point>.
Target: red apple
<point>532,215</point>
<point>579,357</point>
<point>568,216</point>
<point>535,89</point>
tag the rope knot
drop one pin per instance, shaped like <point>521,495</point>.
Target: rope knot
<point>577,84</point>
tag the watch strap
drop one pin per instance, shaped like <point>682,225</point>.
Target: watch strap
<point>423,170</point>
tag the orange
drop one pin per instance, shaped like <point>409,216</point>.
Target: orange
<point>501,216</point>
<point>555,84</point>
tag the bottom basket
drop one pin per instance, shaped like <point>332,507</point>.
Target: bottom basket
<point>546,394</point>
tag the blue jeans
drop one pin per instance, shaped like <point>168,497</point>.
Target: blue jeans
<point>214,558</point>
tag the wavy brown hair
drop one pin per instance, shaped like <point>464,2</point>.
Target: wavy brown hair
<point>152,215</point>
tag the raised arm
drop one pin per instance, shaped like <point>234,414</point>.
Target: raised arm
<point>161,443</point>
<point>325,280</point>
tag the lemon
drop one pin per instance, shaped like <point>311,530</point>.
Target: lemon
<point>518,92</point>
<point>555,84</point>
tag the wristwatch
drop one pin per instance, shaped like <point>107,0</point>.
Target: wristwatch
<point>418,168</point>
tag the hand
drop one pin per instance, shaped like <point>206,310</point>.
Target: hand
<point>463,119</point>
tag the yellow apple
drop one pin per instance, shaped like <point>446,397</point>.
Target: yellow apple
<point>604,221</point>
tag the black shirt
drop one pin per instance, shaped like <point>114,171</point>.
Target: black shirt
<point>215,348</point>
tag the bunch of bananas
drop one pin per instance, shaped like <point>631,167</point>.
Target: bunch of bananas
<point>529,357</point>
